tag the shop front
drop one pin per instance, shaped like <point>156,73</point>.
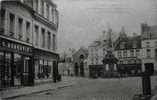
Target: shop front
<point>130,69</point>
<point>16,64</point>
<point>45,64</point>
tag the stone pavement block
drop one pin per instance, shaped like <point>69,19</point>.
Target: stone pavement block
<point>13,93</point>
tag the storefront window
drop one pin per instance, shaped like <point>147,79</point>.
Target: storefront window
<point>7,70</point>
<point>45,69</point>
<point>50,68</point>
<point>17,69</point>
<point>40,69</point>
<point>40,66</point>
<point>26,64</point>
<point>36,68</point>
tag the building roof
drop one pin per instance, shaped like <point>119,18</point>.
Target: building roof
<point>128,42</point>
<point>48,1</point>
<point>148,32</point>
<point>77,54</point>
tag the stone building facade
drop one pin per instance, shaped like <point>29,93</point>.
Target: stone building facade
<point>80,67</point>
<point>97,51</point>
<point>66,66</point>
<point>127,50</point>
<point>149,45</point>
<point>28,41</point>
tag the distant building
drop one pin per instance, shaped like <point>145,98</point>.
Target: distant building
<point>66,66</point>
<point>149,45</point>
<point>109,60</point>
<point>80,62</point>
<point>96,51</point>
<point>28,41</point>
<point>128,51</point>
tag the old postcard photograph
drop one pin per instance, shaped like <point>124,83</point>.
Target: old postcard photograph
<point>78,49</point>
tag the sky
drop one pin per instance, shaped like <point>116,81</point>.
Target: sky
<point>82,21</point>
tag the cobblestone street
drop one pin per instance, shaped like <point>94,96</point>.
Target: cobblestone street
<point>92,89</point>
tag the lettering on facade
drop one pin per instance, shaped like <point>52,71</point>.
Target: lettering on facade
<point>15,46</point>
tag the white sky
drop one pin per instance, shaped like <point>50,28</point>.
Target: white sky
<point>82,21</point>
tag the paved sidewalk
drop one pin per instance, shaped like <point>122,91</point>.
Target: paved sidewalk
<point>43,81</point>
<point>17,92</point>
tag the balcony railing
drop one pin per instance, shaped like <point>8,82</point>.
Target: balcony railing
<point>43,19</point>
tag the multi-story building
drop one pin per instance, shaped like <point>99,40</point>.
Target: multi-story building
<point>28,41</point>
<point>66,66</point>
<point>97,51</point>
<point>74,63</point>
<point>128,51</point>
<point>149,45</point>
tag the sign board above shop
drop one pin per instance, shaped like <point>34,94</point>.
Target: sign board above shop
<point>14,47</point>
<point>42,54</point>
